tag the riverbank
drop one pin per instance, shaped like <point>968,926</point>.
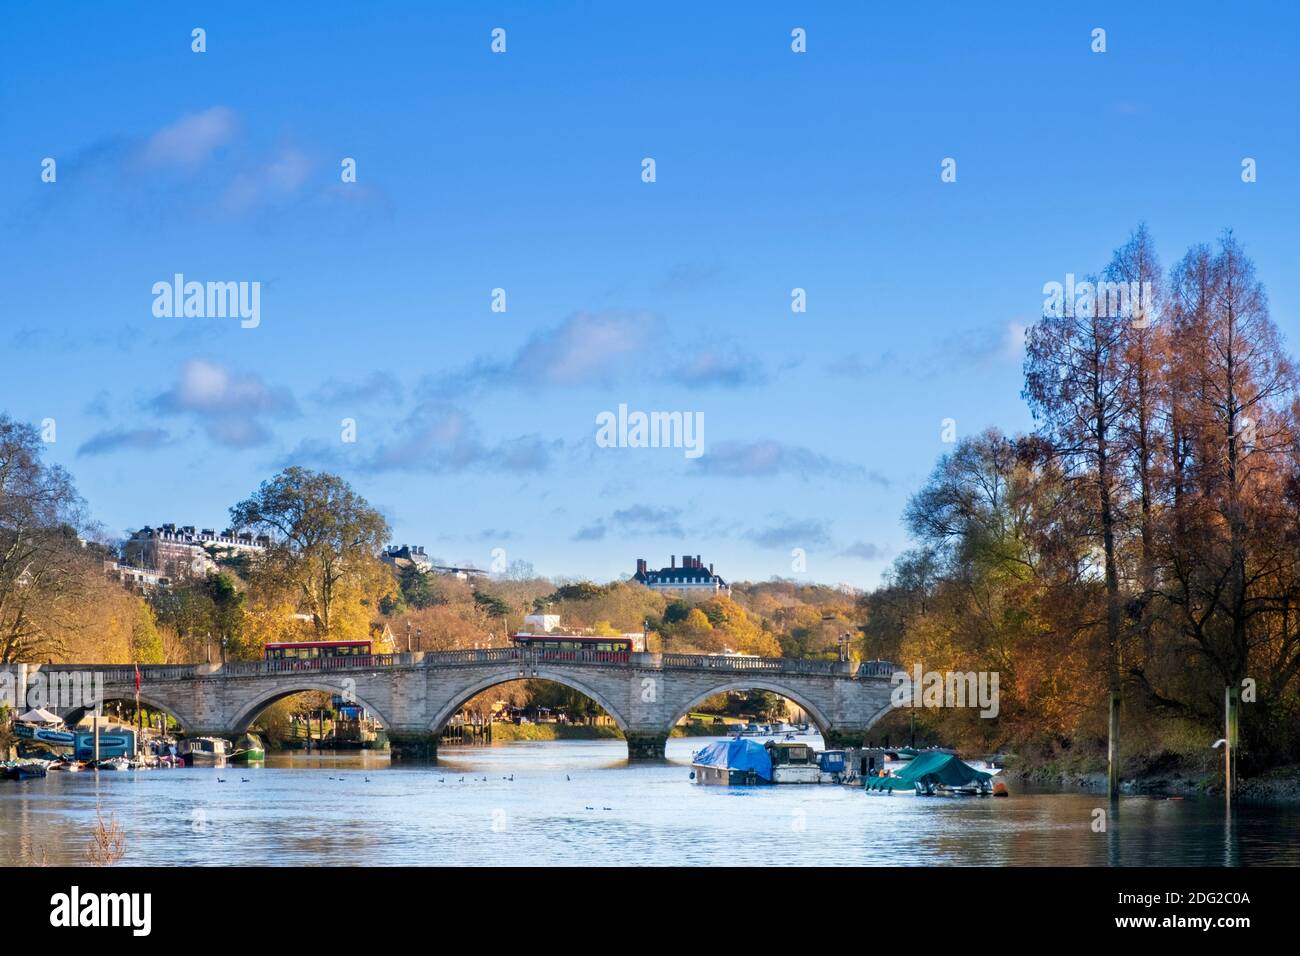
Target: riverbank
<point>506,733</point>
<point>1171,775</point>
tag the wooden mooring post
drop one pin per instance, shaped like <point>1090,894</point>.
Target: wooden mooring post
<point>1231,703</point>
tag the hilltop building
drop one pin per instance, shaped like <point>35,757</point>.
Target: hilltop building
<point>405,556</point>
<point>689,580</point>
<point>179,552</point>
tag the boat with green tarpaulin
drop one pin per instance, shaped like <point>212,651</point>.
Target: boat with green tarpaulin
<point>931,773</point>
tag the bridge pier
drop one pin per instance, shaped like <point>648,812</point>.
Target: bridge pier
<point>418,745</point>
<point>645,746</point>
<point>838,738</point>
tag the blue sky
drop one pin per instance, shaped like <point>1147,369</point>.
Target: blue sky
<point>775,170</point>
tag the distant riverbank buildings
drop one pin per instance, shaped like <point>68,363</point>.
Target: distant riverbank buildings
<point>692,579</point>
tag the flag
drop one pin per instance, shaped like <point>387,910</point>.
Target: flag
<point>137,679</point>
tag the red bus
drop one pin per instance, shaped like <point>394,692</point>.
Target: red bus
<point>316,651</point>
<point>569,646</point>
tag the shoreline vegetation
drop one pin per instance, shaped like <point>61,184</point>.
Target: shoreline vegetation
<point>1172,775</point>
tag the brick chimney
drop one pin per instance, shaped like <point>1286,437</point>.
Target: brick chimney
<point>672,560</point>
<point>640,566</point>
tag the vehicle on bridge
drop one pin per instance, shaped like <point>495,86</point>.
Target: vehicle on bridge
<point>309,655</point>
<point>576,647</point>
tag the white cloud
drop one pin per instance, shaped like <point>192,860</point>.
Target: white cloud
<point>228,404</point>
<point>192,139</point>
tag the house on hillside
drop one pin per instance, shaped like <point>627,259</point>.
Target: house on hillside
<point>691,579</point>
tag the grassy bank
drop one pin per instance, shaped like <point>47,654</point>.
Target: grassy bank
<point>507,732</point>
<point>701,730</point>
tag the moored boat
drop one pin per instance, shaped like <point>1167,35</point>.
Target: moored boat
<point>248,750</point>
<point>793,762</point>
<point>25,769</point>
<point>934,773</point>
<point>733,763</point>
<point>204,751</point>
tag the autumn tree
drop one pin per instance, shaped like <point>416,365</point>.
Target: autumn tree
<point>325,538</point>
<point>1077,383</point>
<point>42,563</point>
<point>1230,555</point>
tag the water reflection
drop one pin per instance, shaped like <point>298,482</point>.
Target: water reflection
<point>581,803</point>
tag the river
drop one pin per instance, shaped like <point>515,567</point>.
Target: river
<point>579,803</point>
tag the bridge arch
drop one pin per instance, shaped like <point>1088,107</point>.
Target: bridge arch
<point>250,711</point>
<point>129,697</point>
<point>467,691</point>
<point>755,682</point>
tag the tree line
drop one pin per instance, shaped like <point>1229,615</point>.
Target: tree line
<point>1138,552</point>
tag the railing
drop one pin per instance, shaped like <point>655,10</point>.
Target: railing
<point>530,655</point>
<point>784,665</point>
<point>877,669</point>
<point>153,673</point>
<point>486,655</point>
<point>126,675</point>
<point>296,665</point>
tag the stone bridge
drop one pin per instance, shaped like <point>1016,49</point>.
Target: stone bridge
<point>414,695</point>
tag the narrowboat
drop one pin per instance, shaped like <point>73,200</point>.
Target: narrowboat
<point>732,763</point>
<point>204,751</point>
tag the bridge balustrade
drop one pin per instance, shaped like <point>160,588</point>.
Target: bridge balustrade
<point>524,655</point>
<point>784,665</point>
<point>293,665</point>
<point>877,669</point>
<point>117,674</point>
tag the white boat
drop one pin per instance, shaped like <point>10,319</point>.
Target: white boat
<point>793,763</point>
<point>114,763</point>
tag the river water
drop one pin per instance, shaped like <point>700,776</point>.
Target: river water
<point>580,803</point>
